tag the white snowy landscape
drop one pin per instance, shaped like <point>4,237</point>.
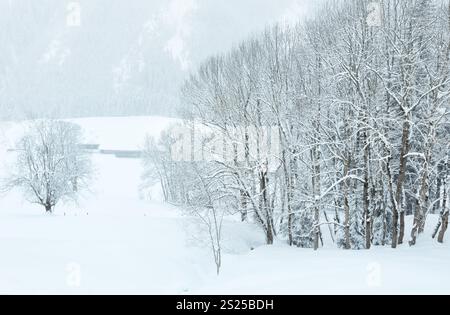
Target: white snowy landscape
<point>121,241</point>
<point>200,147</point>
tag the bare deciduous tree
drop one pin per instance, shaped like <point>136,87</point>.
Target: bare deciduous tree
<point>50,164</point>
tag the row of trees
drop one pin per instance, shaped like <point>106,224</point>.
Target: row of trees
<point>360,96</point>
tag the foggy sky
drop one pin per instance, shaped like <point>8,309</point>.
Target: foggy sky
<point>117,57</point>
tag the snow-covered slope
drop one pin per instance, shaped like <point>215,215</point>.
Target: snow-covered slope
<point>119,243</point>
<point>116,241</point>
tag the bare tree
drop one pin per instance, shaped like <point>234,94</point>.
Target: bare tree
<point>210,204</point>
<point>50,166</point>
<point>442,226</point>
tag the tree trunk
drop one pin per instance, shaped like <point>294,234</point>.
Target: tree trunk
<point>290,218</point>
<point>401,233</point>
<point>48,208</point>
<point>264,205</point>
<point>242,196</point>
<point>346,208</point>
<point>289,195</point>
<point>402,176</point>
<point>383,241</point>
<point>244,193</point>
<point>75,184</point>
<point>316,192</point>
<point>366,201</point>
<point>270,235</point>
<point>444,227</point>
<point>440,169</point>
<point>445,213</point>
<point>394,205</point>
<point>420,210</point>
<point>244,205</point>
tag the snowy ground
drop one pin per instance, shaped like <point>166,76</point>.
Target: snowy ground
<point>283,270</point>
<point>116,241</point>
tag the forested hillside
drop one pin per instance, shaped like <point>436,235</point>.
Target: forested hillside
<point>114,57</point>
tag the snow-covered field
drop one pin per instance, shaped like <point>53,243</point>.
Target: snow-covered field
<point>118,242</point>
<point>283,270</point>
